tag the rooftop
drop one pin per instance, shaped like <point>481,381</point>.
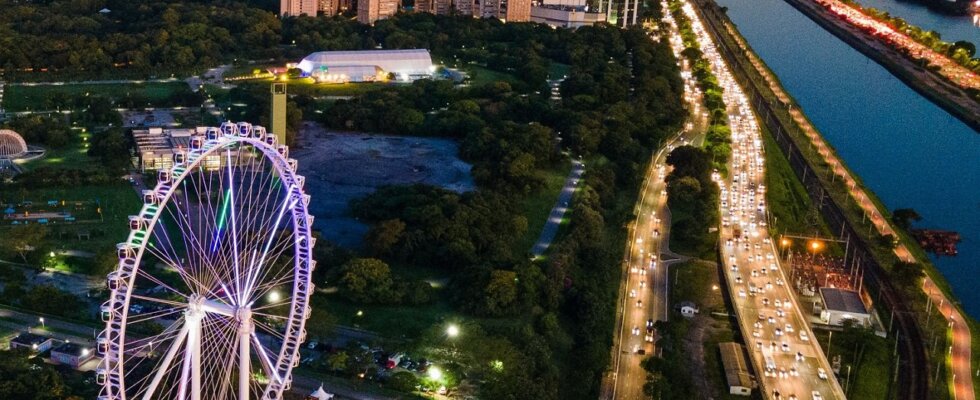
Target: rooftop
<point>842,300</point>
<point>736,369</point>
<point>74,349</point>
<point>28,339</point>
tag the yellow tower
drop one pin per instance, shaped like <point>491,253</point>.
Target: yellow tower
<point>278,117</point>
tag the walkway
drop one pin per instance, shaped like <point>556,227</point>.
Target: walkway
<point>961,350</point>
<point>558,212</point>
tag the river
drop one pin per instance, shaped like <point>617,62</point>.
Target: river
<point>909,151</point>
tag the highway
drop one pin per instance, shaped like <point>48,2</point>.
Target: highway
<point>644,291</point>
<point>788,362</point>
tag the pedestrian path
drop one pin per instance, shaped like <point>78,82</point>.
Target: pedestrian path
<point>558,211</point>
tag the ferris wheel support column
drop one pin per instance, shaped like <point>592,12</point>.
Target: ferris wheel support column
<point>192,356</point>
<point>244,352</point>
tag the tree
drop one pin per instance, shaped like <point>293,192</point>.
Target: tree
<point>337,361</point>
<point>907,275</point>
<point>29,378</point>
<point>383,236</point>
<point>501,293</point>
<point>403,381</point>
<point>903,217</point>
<point>368,280</point>
<point>21,239</point>
<point>321,324</point>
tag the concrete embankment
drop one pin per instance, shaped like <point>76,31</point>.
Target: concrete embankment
<point>930,85</point>
<point>775,117</point>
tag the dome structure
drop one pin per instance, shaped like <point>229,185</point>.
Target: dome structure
<point>11,144</point>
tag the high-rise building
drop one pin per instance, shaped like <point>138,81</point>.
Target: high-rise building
<point>465,7</point>
<point>329,7</point>
<point>438,7</point>
<point>369,11</point>
<point>506,10</point>
<point>278,117</point>
<point>289,8</point>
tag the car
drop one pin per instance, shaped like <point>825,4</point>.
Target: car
<point>771,320</point>
<point>804,337</point>
<point>741,293</point>
<point>649,324</point>
<point>778,332</point>
<point>789,328</point>
<point>636,330</point>
<point>792,397</point>
<point>755,273</point>
<point>758,344</point>
<point>738,279</point>
<point>822,373</point>
<point>756,333</point>
<point>799,356</point>
<point>765,301</point>
<point>782,373</point>
<point>639,303</point>
<point>816,395</point>
<point>656,233</point>
<point>757,325</point>
<point>643,284</point>
<point>632,292</point>
<point>648,338</point>
<point>734,268</point>
<point>643,272</point>
<point>785,347</point>
<point>780,314</point>
<point>787,304</point>
<point>778,303</point>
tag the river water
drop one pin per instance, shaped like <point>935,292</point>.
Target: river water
<point>910,152</point>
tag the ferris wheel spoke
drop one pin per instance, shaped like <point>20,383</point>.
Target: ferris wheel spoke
<point>271,331</point>
<point>263,354</point>
<point>165,365</point>
<point>150,316</point>
<point>159,283</point>
<point>160,301</point>
<point>191,241</point>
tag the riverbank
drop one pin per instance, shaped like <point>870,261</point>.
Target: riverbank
<point>930,85</point>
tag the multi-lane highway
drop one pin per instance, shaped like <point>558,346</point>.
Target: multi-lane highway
<point>788,362</point>
<point>644,292</point>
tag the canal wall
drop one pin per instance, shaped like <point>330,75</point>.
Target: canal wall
<point>930,85</point>
<point>911,370</point>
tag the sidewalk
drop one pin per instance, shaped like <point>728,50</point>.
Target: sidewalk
<point>558,212</point>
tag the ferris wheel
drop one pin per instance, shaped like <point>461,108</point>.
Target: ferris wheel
<point>211,293</point>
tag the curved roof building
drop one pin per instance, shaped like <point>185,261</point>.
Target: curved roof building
<point>11,144</point>
<point>405,64</point>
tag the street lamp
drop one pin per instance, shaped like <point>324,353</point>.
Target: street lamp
<point>435,373</point>
<point>42,321</point>
<point>274,296</point>
<point>452,330</point>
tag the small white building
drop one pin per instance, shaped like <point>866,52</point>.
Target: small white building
<point>32,342</point>
<point>688,309</point>
<point>71,354</point>
<point>841,305</point>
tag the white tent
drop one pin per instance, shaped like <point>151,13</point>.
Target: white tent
<point>320,394</point>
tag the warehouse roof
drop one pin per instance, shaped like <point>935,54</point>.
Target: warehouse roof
<point>842,300</point>
<point>736,369</point>
<point>406,60</point>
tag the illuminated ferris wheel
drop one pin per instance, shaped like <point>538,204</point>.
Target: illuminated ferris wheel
<point>211,294</point>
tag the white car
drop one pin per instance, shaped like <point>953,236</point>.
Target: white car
<point>636,330</point>
<point>804,337</point>
<point>789,328</point>
<point>741,293</point>
<point>632,292</point>
<point>822,373</point>
<point>816,395</point>
<point>648,338</point>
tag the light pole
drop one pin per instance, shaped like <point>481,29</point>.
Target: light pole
<point>42,322</point>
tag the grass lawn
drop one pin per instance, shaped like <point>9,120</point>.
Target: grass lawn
<point>558,70</point>
<point>537,207</point>
<point>117,202</point>
<point>73,155</point>
<point>481,75</point>
<point>22,98</point>
<point>306,86</point>
<point>389,321</point>
<point>871,371</point>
